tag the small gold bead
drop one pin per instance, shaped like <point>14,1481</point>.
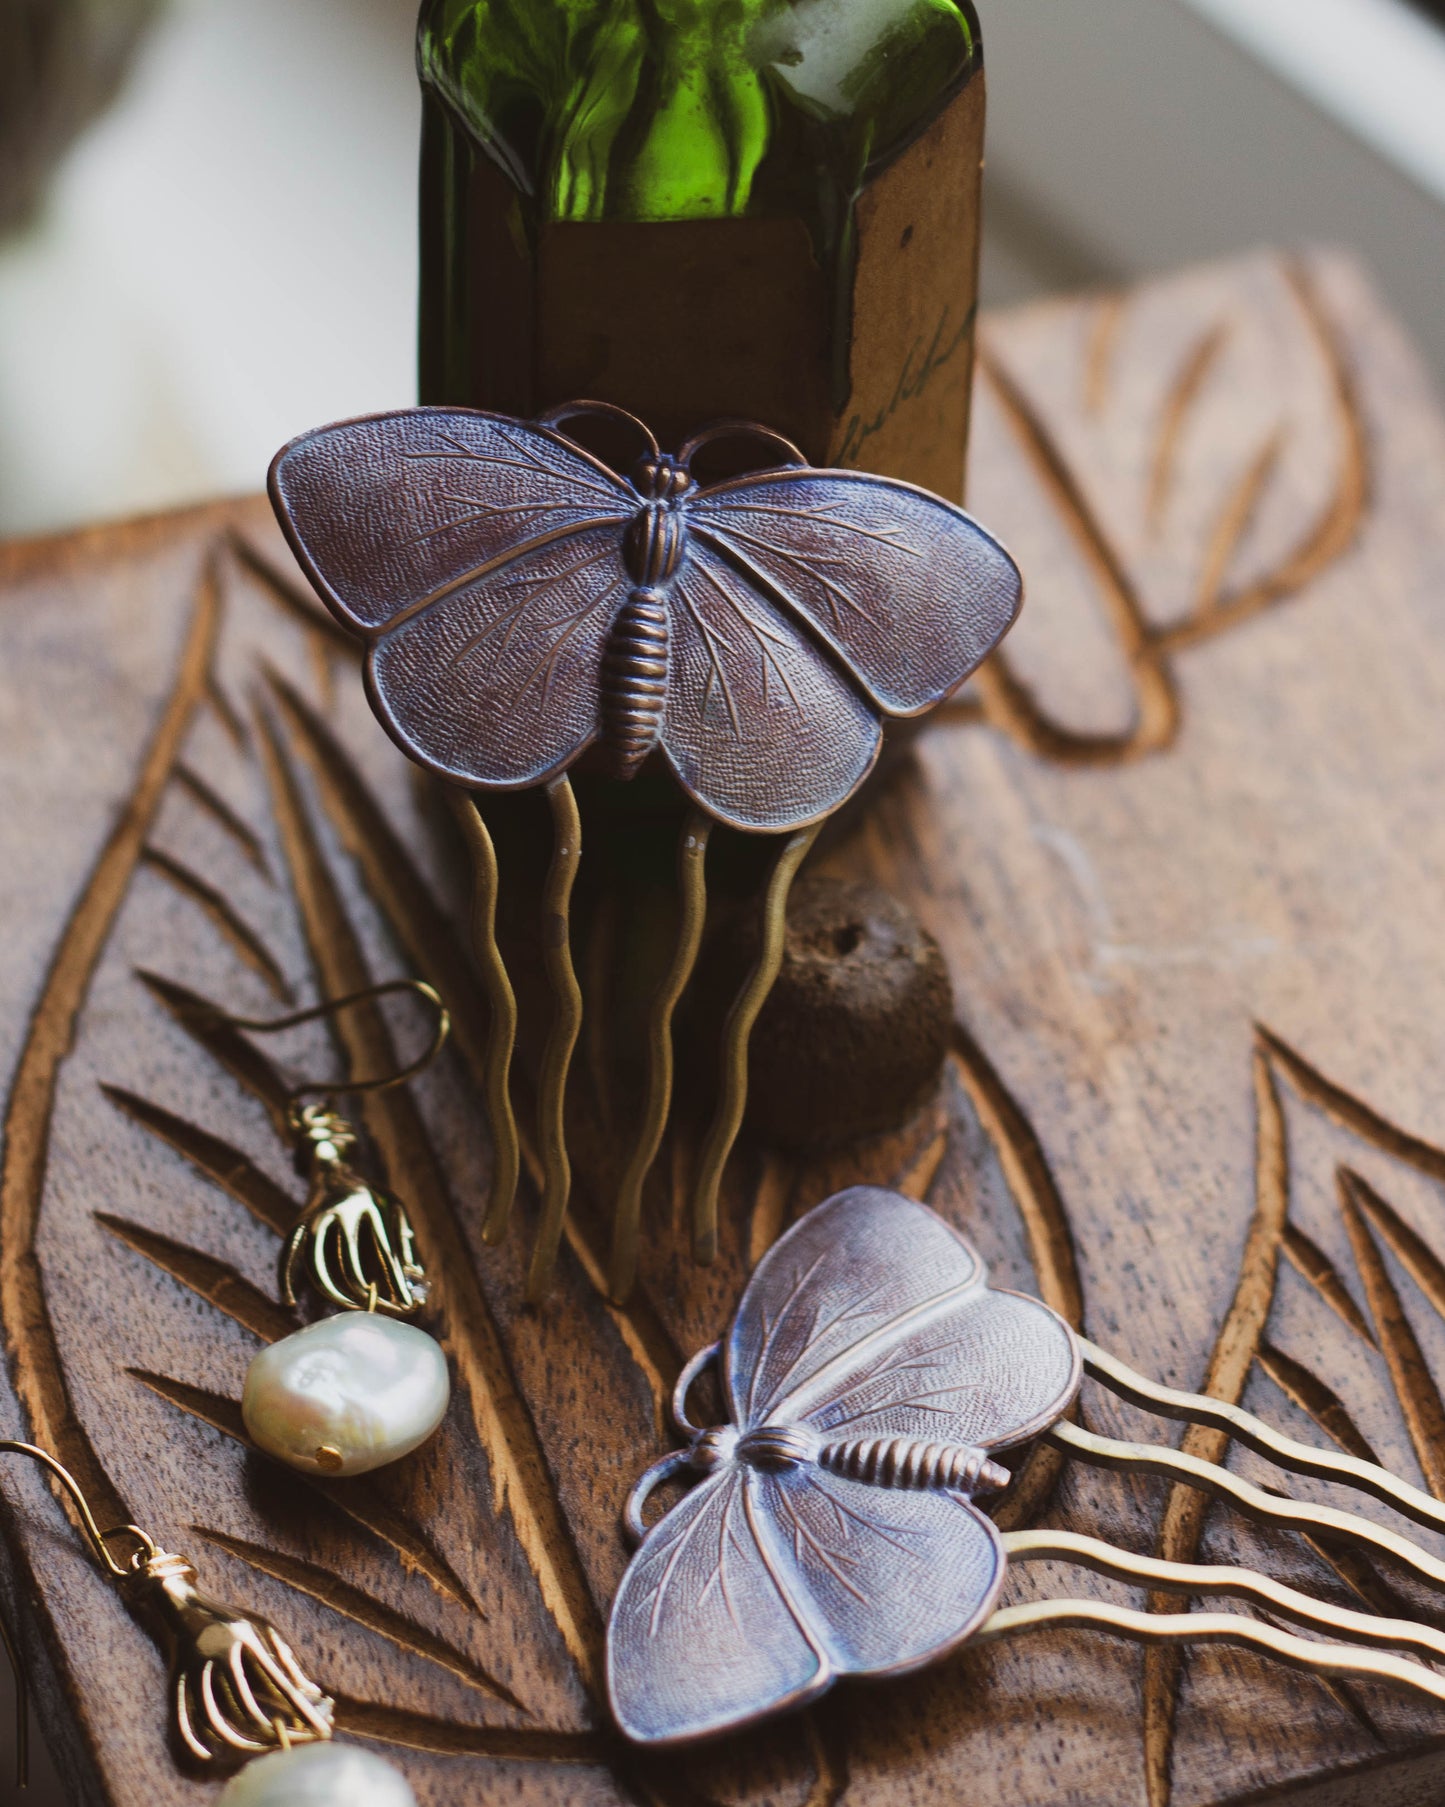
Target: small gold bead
<point>329,1457</point>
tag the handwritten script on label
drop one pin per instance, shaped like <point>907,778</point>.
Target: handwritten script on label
<point>920,367</point>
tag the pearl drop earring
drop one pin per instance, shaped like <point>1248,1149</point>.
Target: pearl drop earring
<point>363,1388</point>
<point>236,1689</point>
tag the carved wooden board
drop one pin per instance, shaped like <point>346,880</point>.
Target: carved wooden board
<point>1184,849</point>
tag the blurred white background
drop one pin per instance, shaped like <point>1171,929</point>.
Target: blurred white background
<point>228,256</point>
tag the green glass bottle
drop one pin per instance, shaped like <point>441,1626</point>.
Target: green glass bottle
<point>708,208</point>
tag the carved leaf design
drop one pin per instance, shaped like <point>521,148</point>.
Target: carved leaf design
<point>1369,1300</point>
<point>267,840</point>
<point>1243,560</point>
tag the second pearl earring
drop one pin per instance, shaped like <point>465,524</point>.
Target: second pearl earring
<point>362,1388</point>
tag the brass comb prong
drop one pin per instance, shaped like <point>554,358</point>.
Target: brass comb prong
<point>1243,1427</point>
<point>502,1023</point>
<point>1364,1641</point>
<point>1254,1502</point>
<point>692,912</point>
<point>1343,1660</point>
<point>733,1092</point>
<point>1245,1584</point>
<point>562,1038</point>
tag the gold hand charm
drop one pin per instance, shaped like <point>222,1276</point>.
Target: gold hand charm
<point>355,1244</point>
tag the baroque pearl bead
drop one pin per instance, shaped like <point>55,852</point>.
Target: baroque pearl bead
<point>346,1394</point>
<point>318,1775</point>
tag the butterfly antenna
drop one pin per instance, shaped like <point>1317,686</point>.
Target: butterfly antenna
<point>737,1031</point>
<point>692,888</point>
<point>502,1027</point>
<point>562,1039</point>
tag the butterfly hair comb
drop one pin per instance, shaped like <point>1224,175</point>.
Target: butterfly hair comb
<point>529,611</point>
<point>871,1379</point>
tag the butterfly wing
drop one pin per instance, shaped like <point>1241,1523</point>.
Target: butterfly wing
<point>861,1261</point>
<point>481,558</point>
<point>761,727</point>
<point>496,685</point>
<point>701,1637</point>
<point>906,589</point>
<point>884,1579</point>
<point>386,513</point>
<point>873,1318</point>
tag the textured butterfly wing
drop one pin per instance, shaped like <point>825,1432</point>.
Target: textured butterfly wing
<point>883,1579</point>
<point>873,1318</point>
<point>870,1318</point>
<point>391,511</point>
<point>907,590</point>
<point>482,559</point>
<point>700,1637</point>
<point>496,685</point>
<point>762,728</point>
<point>758,1591</point>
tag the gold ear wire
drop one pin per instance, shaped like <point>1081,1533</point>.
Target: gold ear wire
<point>145,1550</point>
<point>334,1006</point>
<point>146,1545</point>
<point>236,1687</point>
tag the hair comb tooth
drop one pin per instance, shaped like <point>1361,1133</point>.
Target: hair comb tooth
<point>1342,1660</point>
<point>737,1031</point>
<point>1243,1427</point>
<point>1361,1643</point>
<point>1204,1579</point>
<point>692,913</point>
<point>562,1037</point>
<point>502,1018</point>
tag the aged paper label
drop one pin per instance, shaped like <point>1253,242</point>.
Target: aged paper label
<point>692,321</point>
<point>915,299</point>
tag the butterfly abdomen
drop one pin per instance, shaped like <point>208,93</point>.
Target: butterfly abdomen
<point>904,1462</point>
<point>634,680</point>
<point>634,666</point>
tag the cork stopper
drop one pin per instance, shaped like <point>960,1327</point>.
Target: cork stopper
<point>855,1033</point>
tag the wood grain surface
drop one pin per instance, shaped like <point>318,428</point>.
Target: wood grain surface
<point>1183,848</point>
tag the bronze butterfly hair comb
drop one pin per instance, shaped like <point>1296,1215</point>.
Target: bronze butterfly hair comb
<point>526,607</point>
<point>870,1377</point>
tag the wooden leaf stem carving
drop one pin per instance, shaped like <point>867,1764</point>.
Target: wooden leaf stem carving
<point>1237,567</point>
<point>1366,1298</point>
<point>204,815</point>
